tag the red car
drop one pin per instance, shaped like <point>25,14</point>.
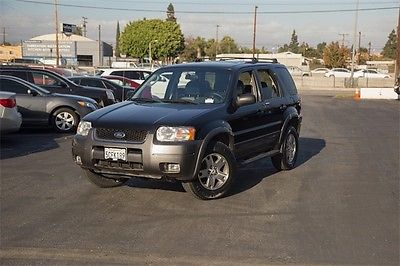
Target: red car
<point>123,81</point>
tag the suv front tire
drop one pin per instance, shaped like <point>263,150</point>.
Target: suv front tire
<point>216,174</point>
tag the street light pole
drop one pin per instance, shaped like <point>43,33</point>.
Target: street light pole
<point>56,17</point>
<point>216,43</point>
<point>354,44</point>
<point>254,30</point>
<point>398,49</point>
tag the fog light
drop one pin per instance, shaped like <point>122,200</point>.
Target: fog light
<point>171,168</point>
<point>78,159</point>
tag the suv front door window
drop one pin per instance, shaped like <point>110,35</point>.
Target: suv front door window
<point>48,81</point>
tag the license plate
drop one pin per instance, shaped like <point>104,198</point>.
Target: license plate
<point>115,154</point>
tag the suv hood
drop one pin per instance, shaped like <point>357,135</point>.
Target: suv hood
<point>145,116</point>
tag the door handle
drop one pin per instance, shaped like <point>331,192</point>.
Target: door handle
<point>282,107</point>
<point>264,107</point>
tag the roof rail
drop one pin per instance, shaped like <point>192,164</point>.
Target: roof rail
<point>250,60</point>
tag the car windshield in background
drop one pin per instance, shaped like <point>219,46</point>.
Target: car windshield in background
<point>183,86</point>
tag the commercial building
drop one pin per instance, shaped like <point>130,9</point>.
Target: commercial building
<point>10,52</point>
<point>73,49</point>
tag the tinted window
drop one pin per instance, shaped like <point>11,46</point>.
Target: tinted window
<point>117,73</point>
<point>269,88</point>
<point>133,75</point>
<point>12,86</point>
<point>92,83</point>
<point>19,74</point>
<point>286,79</point>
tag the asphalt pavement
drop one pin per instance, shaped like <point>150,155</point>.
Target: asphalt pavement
<point>340,206</point>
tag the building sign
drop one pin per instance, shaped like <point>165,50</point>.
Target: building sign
<point>69,29</point>
<point>47,49</point>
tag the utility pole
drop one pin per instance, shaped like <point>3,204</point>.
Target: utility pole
<point>4,35</point>
<point>369,51</point>
<point>397,71</point>
<point>100,52</point>
<point>359,48</point>
<point>254,30</point>
<point>84,22</point>
<point>56,17</point>
<point>354,43</point>
<point>216,42</point>
<point>343,37</point>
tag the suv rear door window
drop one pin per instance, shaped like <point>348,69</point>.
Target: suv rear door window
<point>16,73</point>
<point>269,88</point>
<point>132,75</point>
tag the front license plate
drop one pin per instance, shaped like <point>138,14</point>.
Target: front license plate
<point>115,154</point>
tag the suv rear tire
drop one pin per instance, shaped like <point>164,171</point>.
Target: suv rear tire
<point>104,182</point>
<point>287,157</point>
<point>216,174</point>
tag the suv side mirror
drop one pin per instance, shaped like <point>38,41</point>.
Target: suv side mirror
<point>245,99</point>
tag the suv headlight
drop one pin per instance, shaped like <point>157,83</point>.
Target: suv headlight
<point>110,95</point>
<point>175,133</point>
<point>87,104</point>
<point>83,128</point>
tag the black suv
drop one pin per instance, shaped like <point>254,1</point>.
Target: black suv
<point>194,123</point>
<point>56,83</point>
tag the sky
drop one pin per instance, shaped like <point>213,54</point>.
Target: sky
<point>24,19</point>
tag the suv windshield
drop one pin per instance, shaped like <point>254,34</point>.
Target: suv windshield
<point>183,86</point>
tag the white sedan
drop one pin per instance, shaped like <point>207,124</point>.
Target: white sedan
<point>10,118</point>
<point>338,73</point>
<point>370,73</point>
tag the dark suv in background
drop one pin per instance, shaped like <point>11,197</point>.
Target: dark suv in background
<point>196,126</point>
<point>56,83</point>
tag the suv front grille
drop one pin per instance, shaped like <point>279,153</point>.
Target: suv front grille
<point>128,134</point>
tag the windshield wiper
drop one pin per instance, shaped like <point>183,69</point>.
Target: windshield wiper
<point>178,101</point>
<point>145,100</point>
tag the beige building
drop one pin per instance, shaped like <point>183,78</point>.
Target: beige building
<point>10,52</point>
<point>286,58</point>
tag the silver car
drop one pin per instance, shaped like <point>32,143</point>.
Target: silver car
<point>10,118</point>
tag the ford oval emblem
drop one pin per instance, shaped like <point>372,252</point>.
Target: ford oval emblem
<point>119,135</point>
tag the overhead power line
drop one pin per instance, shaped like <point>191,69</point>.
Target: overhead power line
<point>214,12</point>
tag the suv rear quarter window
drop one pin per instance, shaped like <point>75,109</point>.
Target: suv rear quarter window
<point>286,80</point>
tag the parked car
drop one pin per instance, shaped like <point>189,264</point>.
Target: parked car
<point>10,118</point>
<point>370,73</point>
<point>39,107</point>
<point>338,73</point>
<point>135,74</point>
<point>320,70</point>
<point>199,131</point>
<point>120,92</point>
<point>56,83</point>
<point>296,71</point>
<point>122,81</point>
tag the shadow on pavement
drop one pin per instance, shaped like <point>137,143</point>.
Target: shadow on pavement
<point>28,141</point>
<point>154,184</point>
<point>254,173</point>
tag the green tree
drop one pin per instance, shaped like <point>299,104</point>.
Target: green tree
<point>165,36</point>
<point>194,48</point>
<point>294,43</point>
<point>320,49</point>
<point>171,13</point>
<point>335,55</point>
<point>228,45</point>
<point>389,50</point>
<point>117,35</point>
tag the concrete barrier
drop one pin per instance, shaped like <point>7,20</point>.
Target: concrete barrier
<point>378,93</point>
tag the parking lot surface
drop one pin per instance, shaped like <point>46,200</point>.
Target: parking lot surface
<point>339,206</point>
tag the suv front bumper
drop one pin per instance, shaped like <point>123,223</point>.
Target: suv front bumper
<point>145,159</point>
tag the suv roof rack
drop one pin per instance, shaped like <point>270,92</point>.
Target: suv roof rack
<point>250,60</point>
